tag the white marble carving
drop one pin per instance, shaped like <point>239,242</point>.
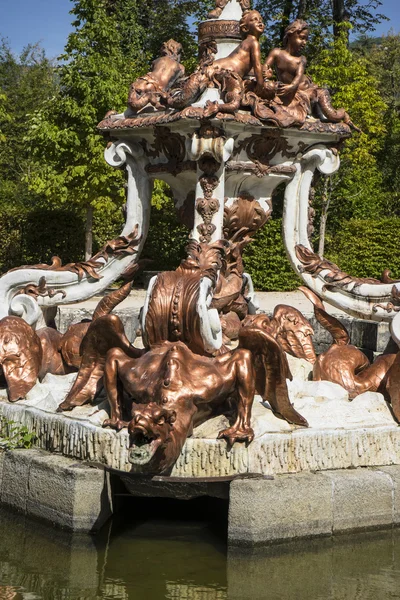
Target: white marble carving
<point>66,286</point>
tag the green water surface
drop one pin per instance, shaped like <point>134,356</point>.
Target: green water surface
<point>152,559</point>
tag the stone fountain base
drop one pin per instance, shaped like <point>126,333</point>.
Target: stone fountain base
<point>340,474</point>
<point>341,435</point>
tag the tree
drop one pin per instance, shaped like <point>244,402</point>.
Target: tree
<point>356,191</point>
<point>25,82</point>
<point>323,16</point>
<point>385,60</point>
<point>99,62</point>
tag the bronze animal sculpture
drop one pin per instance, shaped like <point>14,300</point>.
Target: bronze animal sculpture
<point>289,328</point>
<point>153,87</point>
<point>346,365</point>
<point>161,392</point>
<point>27,355</point>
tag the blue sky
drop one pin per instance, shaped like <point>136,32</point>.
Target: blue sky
<point>49,22</point>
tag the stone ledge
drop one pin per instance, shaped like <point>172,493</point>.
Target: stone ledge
<point>305,505</point>
<point>278,448</point>
<point>56,489</point>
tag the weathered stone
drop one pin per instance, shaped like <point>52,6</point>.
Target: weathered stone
<point>56,489</point>
<point>15,482</point>
<point>288,507</point>
<point>393,471</point>
<point>78,498</point>
<point>362,499</point>
<point>2,456</point>
<point>68,316</point>
<point>299,368</point>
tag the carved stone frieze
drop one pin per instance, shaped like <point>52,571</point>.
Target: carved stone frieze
<point>172,146</point>
<point>259,169</point>
<point>171,167</point>
<point>260,148</point>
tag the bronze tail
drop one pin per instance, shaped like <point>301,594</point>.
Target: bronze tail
<point>329,322</point>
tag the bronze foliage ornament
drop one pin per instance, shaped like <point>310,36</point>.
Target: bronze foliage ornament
<point>207,206</point>
<point>220,5</point>
<point>123,245</point>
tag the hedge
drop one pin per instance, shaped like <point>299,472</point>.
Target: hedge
<point>364,248</point>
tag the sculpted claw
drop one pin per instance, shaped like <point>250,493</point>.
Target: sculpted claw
<point>237,434</point>
<point>114,423</point>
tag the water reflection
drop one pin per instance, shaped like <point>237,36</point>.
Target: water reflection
<point>184,561</point>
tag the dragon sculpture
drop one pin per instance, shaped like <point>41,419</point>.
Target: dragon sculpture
<point>162,392</point>
<point>348,366</point>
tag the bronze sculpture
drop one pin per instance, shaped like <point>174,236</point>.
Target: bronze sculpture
<point>27,355</point>
<point>161,392</point>
<point>152,88</point>
<point>347,366</point>
<point>168,389</point>
<point>223,163</point>
<point>295,89</point>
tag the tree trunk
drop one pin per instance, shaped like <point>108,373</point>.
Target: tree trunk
<point>89,232</point>
<point>287,11</point>
<point>326,200</point>
<point>302,9</point>
<point>340,15</point>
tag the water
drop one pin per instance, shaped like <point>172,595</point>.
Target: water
<point>185,560</point>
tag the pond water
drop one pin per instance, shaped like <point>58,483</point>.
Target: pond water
<point>154,558</point>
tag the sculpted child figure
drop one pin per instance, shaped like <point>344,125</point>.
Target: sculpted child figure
<point>152,88</point>
<point>294,88</point>
<point>230,71</point>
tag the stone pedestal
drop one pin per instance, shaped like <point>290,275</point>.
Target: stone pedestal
<point>55,489</point>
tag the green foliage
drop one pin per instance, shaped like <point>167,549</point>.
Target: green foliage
<point>365,248</point>
<point>165,245</point>
<point>266,261</point>
<point>34,237</point>
<point>385,60</point>
<point>357,189</point>
<point>320,15</point>
<point>25,82</point>
<point>13,435</point>
<point>51,156</point>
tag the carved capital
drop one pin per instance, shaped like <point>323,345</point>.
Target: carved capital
<point>211,141</point>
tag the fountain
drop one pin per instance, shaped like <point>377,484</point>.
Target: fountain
<point>218,390</point>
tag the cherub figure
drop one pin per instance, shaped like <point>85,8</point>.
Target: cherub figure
<point>295,89</point>
<point>229,72</point>
<point>153,87</point>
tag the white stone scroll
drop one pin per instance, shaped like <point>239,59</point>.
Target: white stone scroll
<point>370,301</point>
<point>65,286</point>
